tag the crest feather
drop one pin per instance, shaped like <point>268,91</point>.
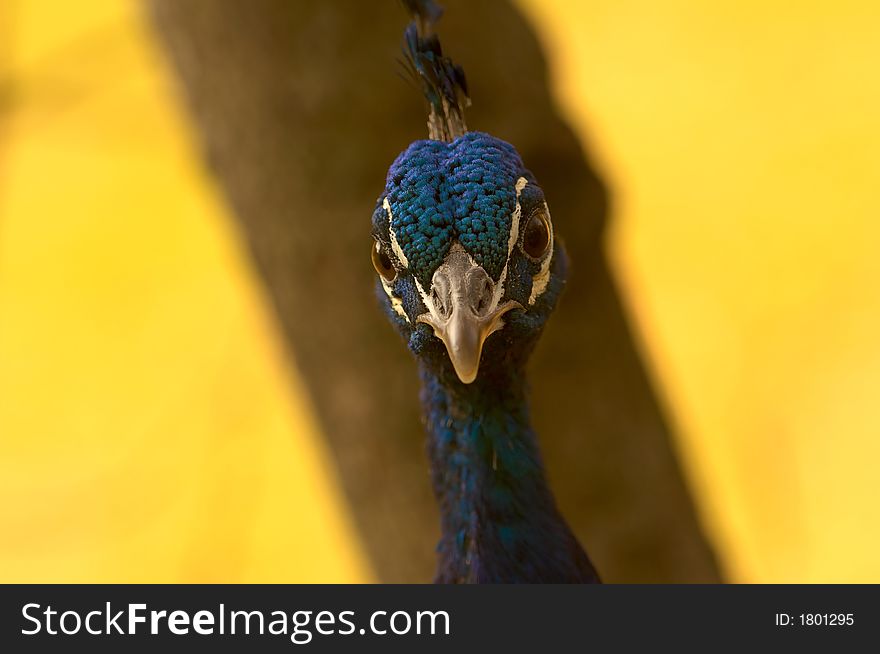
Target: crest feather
<point>441,80</point>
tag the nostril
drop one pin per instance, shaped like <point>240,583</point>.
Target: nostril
<point>442,300</point>
<point>484,296</point>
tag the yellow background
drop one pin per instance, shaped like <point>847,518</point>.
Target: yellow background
<point>740,140</point>
<point>150,429</point>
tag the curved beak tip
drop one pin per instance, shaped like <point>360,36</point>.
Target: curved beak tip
<point>464,338</point>
<point>464,334</point>
<point>466,372</point>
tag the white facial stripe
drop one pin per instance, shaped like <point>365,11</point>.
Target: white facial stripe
<point>521,183</point>
<point>396,302</point>
<point>539,283</point>
<point>515,217</point>
<point>429,303</point>
<point>395,246</point>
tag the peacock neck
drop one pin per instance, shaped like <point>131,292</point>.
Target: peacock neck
<point>499,522</point>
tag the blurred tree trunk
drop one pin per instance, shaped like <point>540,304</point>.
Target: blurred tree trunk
<point>301,114</point>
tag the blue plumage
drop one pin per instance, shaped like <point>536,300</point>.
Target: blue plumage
<point>469,271</point>
<point>442,191</point>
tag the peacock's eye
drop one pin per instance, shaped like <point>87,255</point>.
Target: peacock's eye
<point>382,263</point>
<point>536,237</point>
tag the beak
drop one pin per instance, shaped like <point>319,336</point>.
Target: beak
<point>464,311</point>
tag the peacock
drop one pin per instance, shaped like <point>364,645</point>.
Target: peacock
<point>469,270</point>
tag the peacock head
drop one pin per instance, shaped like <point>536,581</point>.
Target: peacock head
<point>466,258</point>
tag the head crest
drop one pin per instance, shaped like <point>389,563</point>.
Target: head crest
<point>440,79</point>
